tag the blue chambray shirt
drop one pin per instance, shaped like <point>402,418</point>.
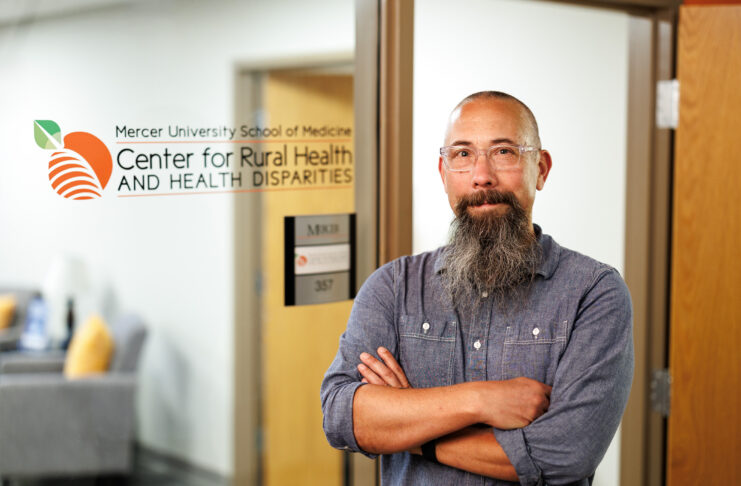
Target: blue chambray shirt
<point>574,333</point>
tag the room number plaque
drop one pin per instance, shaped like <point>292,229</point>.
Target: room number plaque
<point>319,258</point>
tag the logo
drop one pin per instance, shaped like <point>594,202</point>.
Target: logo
<point>301,260</point>
<point>80,167</point>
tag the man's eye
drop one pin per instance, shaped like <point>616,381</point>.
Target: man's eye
<point>463,153</point>
<point>504,151</point>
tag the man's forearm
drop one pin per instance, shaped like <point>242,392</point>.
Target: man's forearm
<point>388,420</point>
<point>390,417</point>
<point>476,450</point>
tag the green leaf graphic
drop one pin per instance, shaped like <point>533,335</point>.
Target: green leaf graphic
<point>47,134</point>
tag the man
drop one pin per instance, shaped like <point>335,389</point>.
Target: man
<point>500,357</point>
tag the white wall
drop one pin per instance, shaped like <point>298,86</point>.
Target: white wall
<point>167,258</point>
<point>569,64</point>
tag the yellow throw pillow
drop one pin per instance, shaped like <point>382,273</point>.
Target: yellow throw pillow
<point>90,350</point>
<point>7,310</point>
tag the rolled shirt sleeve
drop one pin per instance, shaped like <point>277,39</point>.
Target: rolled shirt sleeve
<point>589,395</point>
<point>371,325</point>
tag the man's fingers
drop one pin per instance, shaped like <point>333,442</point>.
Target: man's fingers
<point>391,362</point>
<point>381,370</point>
<point>369,376</point>
<point>388,372</point>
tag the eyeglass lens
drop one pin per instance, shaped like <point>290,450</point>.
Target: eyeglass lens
<point>463,158</point>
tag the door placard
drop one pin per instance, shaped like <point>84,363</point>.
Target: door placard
<point>319,258</point>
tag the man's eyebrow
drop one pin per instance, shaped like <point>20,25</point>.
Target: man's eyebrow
<point>492,142</point>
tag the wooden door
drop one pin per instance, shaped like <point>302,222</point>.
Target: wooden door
<point>704,430</point>
<point>299,342</point>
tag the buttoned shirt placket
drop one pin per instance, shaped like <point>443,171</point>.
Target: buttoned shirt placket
<point>475,336</point>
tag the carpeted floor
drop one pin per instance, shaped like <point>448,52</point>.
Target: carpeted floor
<point>150,469</point>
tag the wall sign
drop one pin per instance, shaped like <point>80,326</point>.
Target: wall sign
<point>319,258</point>
<point>180,159</point>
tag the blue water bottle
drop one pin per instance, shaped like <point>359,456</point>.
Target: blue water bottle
<point>34,335</point>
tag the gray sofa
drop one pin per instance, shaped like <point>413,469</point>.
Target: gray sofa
<point>52,426</point>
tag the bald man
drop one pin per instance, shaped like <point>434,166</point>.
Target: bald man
<point>500,358</point>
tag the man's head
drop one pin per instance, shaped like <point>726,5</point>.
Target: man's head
<point>493,246</point>
<point>480,121</point>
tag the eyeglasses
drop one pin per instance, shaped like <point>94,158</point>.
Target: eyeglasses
<point>503,156</point>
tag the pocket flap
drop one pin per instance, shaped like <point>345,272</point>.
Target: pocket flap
<point>537,333</point>
<point>426,328</point>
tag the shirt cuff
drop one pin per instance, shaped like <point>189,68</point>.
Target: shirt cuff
<point>343,405</point>
<point>515,446</point>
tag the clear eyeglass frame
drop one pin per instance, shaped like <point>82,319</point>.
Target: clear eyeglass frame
<point>505,162</point>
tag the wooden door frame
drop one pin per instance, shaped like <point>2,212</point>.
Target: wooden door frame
<point>648,196</point>
<point>247,340</point>
<point>647,242</point>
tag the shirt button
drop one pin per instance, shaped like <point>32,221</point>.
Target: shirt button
<point>484,295</point>
<point>536,331</point>
<point>426,326</point>
<point>477,344</point>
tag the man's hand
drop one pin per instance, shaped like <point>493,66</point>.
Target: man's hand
<point>513,404</point>
<point>388,373</point>
<point>508,404</point>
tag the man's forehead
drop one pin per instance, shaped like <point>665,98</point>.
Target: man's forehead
<point>504,116</point>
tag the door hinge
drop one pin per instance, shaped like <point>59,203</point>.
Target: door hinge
<point>667,103</point>
<point>661,390</point>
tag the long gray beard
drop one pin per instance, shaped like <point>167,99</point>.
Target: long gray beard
<point>498,254</point>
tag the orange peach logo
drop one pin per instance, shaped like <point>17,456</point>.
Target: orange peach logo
<point>80,167</point>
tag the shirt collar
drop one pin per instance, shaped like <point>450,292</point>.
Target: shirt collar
<point>548,264</point>
<point>551,253</point>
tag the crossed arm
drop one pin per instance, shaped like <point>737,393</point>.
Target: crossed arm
<point>389,416</point>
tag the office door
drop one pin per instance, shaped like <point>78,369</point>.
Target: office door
<point>704,430</point>
<point>299,342</point>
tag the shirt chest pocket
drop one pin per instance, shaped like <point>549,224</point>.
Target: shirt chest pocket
<point>533,350</point>
<point>426,348</point>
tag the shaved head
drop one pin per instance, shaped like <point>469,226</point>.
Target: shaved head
<point>527,118</point>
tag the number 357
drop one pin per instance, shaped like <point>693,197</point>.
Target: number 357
<point>323,285</point>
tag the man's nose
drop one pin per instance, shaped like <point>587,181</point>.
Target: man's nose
<point>483,173</point>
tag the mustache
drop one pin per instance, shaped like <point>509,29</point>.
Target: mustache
<point>490,196</point>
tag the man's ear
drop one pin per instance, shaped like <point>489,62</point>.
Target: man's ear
<point>544,168</point>
<point>441,170</point>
